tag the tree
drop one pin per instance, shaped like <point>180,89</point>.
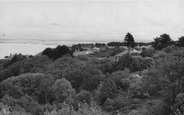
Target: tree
<point>58,52</point>
<point>29,65</point>
<point>135,65</point>
<point>84,97</point>
<point>48,52</point>
<point>17,58</point>
<point>20,85</point>
<point>124,62</point>
<point>161,42</point>
<point>115,44</point>
<point>169,49</point>
<point>108,89</point>
<point>146,63</point>
<point>83,76</point>
<point>129,40</point>
<point>180,41</point>
<point>22,105</point>
<point>59,66</point>
<point>147,52</point>
<point>62,89</point>
<point>122,79</point>
<point>165,79</point>
<point>108,66</point>
<point>99,45</point>
<point>45,89</point>
<point>113,84</point>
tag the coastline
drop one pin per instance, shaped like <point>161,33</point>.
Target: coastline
<point>30,46</point>
<point>26,49</point>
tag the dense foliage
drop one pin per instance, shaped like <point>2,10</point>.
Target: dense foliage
<point>161,42</point>
<point>149,83</point>
<point>57,52</point>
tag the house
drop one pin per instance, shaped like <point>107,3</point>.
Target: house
<point>96,49</point>
<point>136,51</point>
<point>125,47</point>
<point>125,52</point>
<point>120,54</point>
<point>10,56</point>
<point>77,52</point>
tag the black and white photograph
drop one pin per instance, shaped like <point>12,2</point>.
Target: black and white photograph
<point>91,57</point>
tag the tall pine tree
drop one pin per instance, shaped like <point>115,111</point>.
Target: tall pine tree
<point>129,40</point>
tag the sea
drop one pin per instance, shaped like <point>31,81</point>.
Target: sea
<point>29,46</point>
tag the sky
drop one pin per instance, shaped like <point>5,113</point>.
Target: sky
<point>77,20</point>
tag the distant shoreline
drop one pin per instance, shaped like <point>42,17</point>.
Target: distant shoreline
<point>26,49</point>
<point>30,46</point>
<point>47,42</point>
